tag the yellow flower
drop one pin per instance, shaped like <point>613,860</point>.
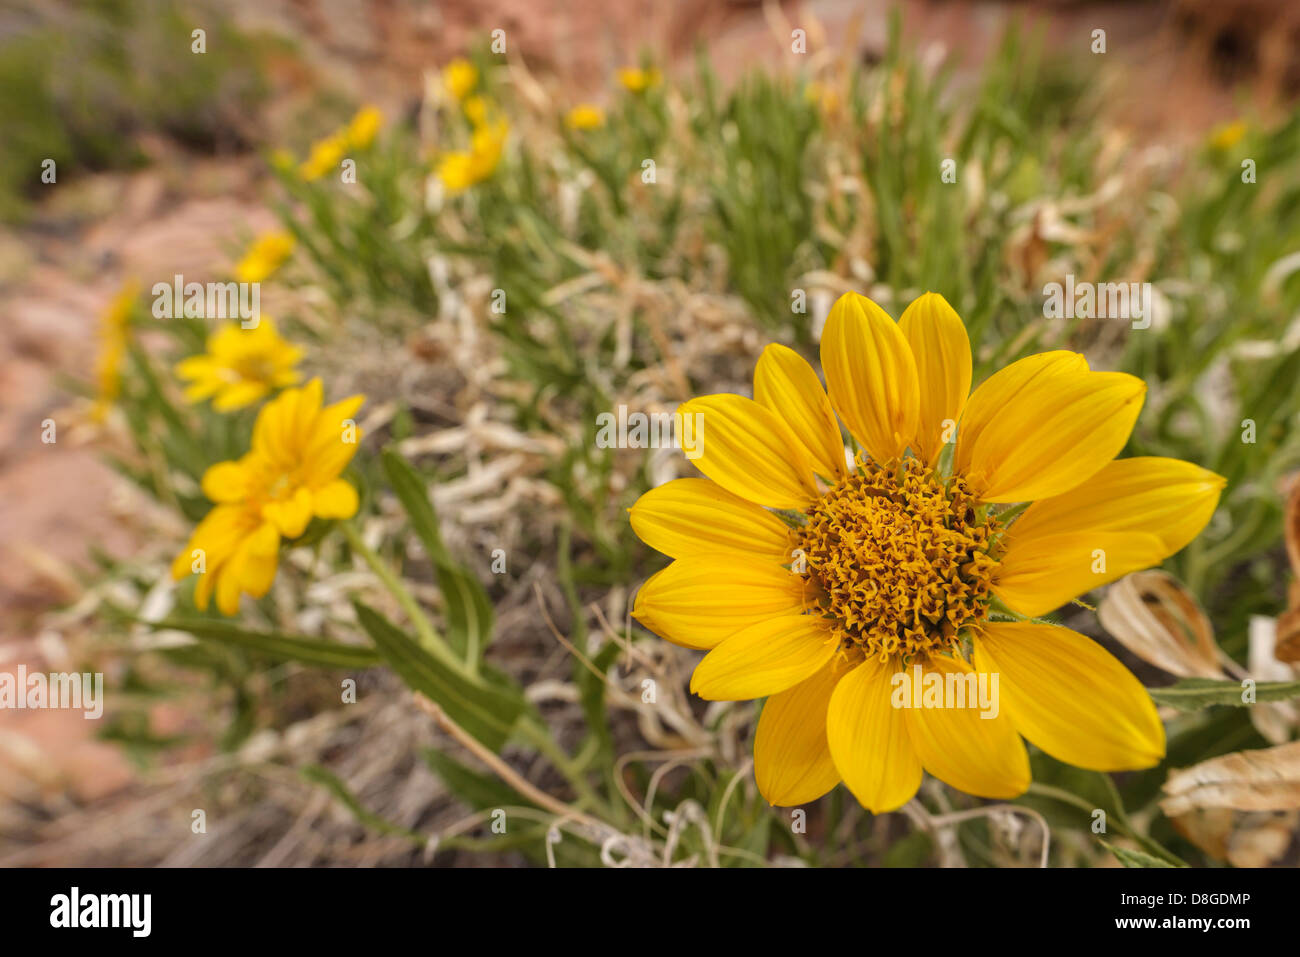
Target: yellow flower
<point>290,475</point>
<point>461,169</point>
<point>637,80</point>
<point>1228,135</point>
<point>823,96</point>
<point>282,159</point>
<point>585,116</point>
<point>325,156</point>
<point>114,329</point>
<point>365,125</point>
<point>476,110</point>
<point>460,77</point>
<point>824,585</point>
<point>265,256</point>
<point>240,366</point>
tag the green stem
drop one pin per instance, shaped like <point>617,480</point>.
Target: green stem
<point>429,638</point>
<point>539,736</point>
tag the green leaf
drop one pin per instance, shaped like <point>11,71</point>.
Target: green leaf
<point>486,712</point>
<point>479,791</point>
<point>335,785</point>
<point>591,691</point>
<point>1191,694</point>
<point>1135,858</point>
<point>468,625</point>
<point>274,644</point>
<point>414,495</point>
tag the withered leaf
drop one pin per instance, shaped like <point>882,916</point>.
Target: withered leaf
<point>1157,619</point>
<point>1264,780</point>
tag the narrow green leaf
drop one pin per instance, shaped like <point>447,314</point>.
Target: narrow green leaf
<point>414,495</point>
<point>479,791</point>
<point>332,783</point>
<point>1135,858</point>
<point>468,628</point>
<point>274,644</point>
<point>1191,694</point>
<point>487,712</point>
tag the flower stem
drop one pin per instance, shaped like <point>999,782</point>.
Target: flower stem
<point>428,637</point>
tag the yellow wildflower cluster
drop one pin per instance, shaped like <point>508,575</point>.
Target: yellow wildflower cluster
<point>327,153</point>
<point>460,169</point>
<point>267,254</point>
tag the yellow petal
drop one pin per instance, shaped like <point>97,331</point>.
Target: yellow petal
<point>868,739</point>
<point>258,568</point>
<point>239,394</point>
<point>872,376</point>
<point>1070,697</point>
<point>941,350</point>
<point>195,367</point>
<point>227,482</point>
<point>1168,498</point>
<point>1001,389</point>
<point>227,578</point>
<point>338,499</point>
<point>203,590</point>
<point>747,450</point>
<point>792,761</point>
<point>787,384</point>
<point>332,438</point>
<point>764,658</point>
<point>290,515</point>
<point>699,601</point>
<point>962,746</point>
<point>1043,572</point>
<point>1056,433</point>
<point>694,516</point>
<point>217,536</point>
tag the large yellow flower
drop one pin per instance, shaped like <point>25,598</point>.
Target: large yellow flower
<point>290,475</point>
<point>240,366</point>
<point>267,254</point>
<point>816,581</point>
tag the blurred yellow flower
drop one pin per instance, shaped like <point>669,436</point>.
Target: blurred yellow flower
<point>825,97</point>
<point>240,366</point>
<point>462,169</point>
<point>460,77</point>
<point>476,110</point>
<point>114,329</point>
<point>638,80</point>
<point>282,159</point>
<point>1228,135</point>
<point>265,256</point>
<point>585,116</point>
<point>326,154</point>
<point>290,475</point>
<point>364,127</point>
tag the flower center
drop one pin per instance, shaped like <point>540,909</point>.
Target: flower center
<point>899,558</point>
<point>254,368</point>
